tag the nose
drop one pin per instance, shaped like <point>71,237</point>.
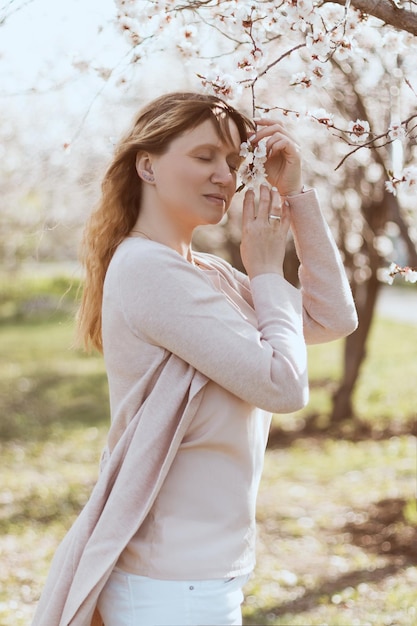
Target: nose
<point>222,174</point>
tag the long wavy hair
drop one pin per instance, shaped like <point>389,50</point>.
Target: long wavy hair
<point>156,125</point>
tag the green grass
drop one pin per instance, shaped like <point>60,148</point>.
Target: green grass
<point>316,564</point>
<point>337,519</point>
<point>385,394</point>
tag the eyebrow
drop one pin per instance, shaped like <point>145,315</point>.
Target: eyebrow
<point>211,146</point>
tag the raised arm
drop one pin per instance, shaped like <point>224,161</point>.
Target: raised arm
<point>328,308</point>
<point>170,303</point>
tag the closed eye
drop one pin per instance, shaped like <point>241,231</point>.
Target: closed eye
<point>234,167</point>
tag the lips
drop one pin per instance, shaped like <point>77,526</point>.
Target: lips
<point>216,197</point>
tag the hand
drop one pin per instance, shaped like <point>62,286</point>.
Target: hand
<point>283,165</point>
<point>264,240</point>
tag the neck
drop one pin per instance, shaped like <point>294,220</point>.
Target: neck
<point>183,247</point>
<point>160,223</point>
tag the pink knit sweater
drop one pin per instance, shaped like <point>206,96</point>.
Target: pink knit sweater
<point>166,332</point>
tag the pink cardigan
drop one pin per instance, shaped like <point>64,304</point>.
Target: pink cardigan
<point>147,427</point>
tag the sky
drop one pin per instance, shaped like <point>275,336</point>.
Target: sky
<point>44,45</point>
<point>40,41</point>
<point>44,92</point>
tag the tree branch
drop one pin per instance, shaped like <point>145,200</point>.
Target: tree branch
<point>9,10</point>
<point>387,11</point>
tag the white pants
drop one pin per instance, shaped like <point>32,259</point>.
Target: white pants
<point>130,600</point>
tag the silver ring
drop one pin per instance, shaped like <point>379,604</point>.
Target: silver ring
<point>274,217</point>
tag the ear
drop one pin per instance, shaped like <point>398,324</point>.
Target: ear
<point>144,167</point>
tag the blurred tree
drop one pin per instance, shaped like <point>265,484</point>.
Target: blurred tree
<point>342,73</point>
<point>359,70</point>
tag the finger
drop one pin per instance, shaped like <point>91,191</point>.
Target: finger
<point>281,227</point>
<point>269,129</point>
<point>265,121</point>
<point>264,203</point>
<point>277,144</point>
<point>275,208</point>
<point>248,213</point>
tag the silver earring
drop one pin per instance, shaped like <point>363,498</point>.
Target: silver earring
<point>146,176</point>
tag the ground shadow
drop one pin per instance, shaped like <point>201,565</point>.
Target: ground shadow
<point>353,430</point>
<point>313,597</point>
<point>382,529</point>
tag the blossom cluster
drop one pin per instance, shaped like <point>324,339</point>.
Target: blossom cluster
<point>408,273</point>
<point>233,48</point>
<point>407,181</point>
<point>252,171</point>
<point>237,42</point>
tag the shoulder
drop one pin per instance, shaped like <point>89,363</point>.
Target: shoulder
<point>144,259</point>
<point>148,267</point>
<point>134,249</point>
<point>212,261</point>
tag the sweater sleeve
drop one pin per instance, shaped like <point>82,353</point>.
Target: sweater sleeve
<point>170,303</point>
<point>328,308</point>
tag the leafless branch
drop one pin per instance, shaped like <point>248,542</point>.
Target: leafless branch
<point>10,8</point>
<point>372,142</point>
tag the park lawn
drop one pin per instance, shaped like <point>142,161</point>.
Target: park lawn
<point>337,518</point>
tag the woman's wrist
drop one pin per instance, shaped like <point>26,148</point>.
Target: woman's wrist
<point>295,193</point>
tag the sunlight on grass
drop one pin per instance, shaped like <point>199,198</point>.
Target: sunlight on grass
<point>385,392</point>
<point>307,562</point>
<point>337,520</point>
<point>44,486</point>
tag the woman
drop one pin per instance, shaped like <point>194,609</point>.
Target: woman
<point>198,356</point>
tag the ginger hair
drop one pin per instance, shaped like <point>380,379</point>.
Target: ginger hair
<point>156,125</point>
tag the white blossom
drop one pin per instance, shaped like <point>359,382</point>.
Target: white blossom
<point>300,80</point>
<point>319,45</point>
<point>322,116</point>
<point>245,149</point>
<point>391,187</point>
<point>407,181</point>
<point>260,152</point>
<point>410,276</point>
<point>248,11</point>
<point>343,48</point>
<point>320,73</point>
<point>103,72</point>
<point>252,171</point>
<point>305,8</point>
<point>187,41</point>
<point>388,274</point>
<point>82,65</point>
<point>358,131</point>
<point>396,131</point>
<point>393,41</point>
<point>220,84</point>
<point>410,177</point>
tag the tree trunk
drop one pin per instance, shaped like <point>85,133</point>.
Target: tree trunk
<point>366,294</point>
<point>355,349</point>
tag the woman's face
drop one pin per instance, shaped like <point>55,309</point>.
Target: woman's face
<point>195,179</point>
